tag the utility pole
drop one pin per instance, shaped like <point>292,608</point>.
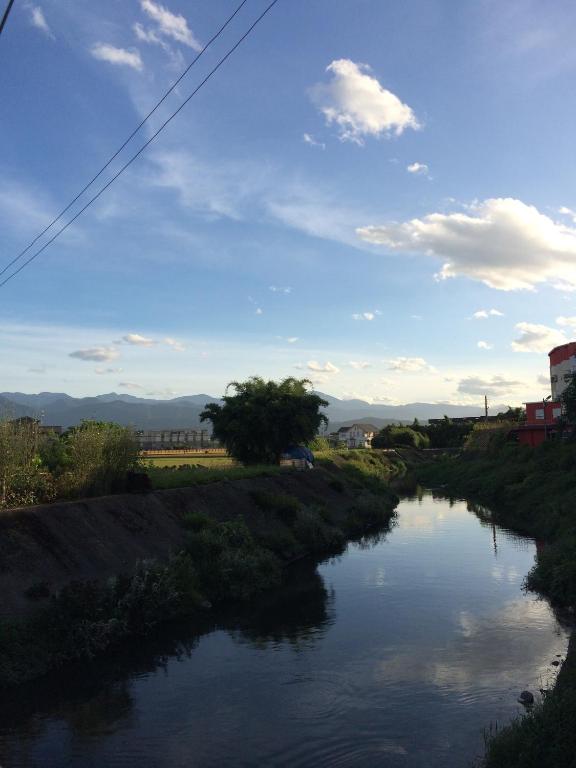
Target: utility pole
<point>486,407</point>
<point>5,16</point>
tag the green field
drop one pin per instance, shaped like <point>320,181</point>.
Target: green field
<point>214,462</point>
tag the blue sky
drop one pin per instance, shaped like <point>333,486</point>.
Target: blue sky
<point>378,196</point>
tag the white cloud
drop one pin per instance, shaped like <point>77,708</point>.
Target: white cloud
<point>409,364</point>
<point>543,380</point>
<point>314,365</point>
<point>119,56</point>
<point>364,315</point>
<point>308,139</point>
<point>420,169</point>
<point>568,212</point>
<point>567,322</point>
<point>129,385</point>
<point>279,289</point>
<point>537,338</point>
<point>483,314</point>
<point>494,387</point>
<point>170,24</point>
<point>38,20</point>
<point>136,340</point>
<point>105,371</point>
<point>503,242</point>
<point>146,35</point>
<point>259,311</point>
<point>292,339</point>
<point>357,103</point>
<point>96,354</point>
<point>484,345</point>
<point>177,346</point>
<point>359,365</point>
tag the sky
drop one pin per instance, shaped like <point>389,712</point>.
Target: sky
<point>375,196</point>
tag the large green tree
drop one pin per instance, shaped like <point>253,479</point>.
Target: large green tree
<point>262,418</point>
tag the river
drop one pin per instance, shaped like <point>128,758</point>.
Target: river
<point>397,653</point>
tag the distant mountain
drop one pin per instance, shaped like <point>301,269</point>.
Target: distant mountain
<point>58,408</point>
<point>342,411</point>
<point>12,410</point>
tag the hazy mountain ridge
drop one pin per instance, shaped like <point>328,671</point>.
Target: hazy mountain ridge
<point>61,409</point>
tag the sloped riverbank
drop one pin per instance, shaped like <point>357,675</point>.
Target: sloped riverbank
<point>77,578</point>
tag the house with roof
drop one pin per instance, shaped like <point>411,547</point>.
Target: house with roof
<point>544,418</point>
<point>356,436</point>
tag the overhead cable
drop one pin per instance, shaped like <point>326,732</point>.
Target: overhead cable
<point>127,141</point>
<point>143,147</point>
<point>6,14</point>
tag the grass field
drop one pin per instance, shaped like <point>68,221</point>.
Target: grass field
<point>179,460</point>
<point>162,479</point>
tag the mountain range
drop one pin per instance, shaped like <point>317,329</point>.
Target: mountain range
<point>58,408</point>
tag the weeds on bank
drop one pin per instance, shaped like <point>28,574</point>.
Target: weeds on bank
<point>163,478</point>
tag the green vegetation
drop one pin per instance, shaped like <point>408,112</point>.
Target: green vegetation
<point>22,479</point>
<point>441,434</point>
<point>263,418</point>
<point>180,477</point>
<point>86,619</point>
<point>212,462</point>
<point>392,436</point>
<point>531,490</point>
<point>362,468</point>
<point>569,402</point>
<point>89,460</point>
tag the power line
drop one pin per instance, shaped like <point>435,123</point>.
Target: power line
<point>134,132</point>
<point>6,14</point>
<point>143,147</point>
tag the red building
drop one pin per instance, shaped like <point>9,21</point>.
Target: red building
<point>543,415</point>
<point>541,422</point>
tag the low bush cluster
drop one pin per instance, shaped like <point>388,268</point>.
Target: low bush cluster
<point>87,618</point>
<point>89,460</point>
<point>229,563</point>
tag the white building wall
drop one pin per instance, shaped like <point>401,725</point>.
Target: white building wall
<point>561,375</point>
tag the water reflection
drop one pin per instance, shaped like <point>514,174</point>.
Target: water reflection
<point>397,653</point>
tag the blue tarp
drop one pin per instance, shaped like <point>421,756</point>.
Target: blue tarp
<point>299,452</point>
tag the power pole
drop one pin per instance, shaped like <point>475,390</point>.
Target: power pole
<point>6,13</point>
<point>486,407</point>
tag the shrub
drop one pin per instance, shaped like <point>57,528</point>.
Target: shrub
<point>229,563</point>
<point>284,506</point>
<point>101,454</point>
<point>311,531</point>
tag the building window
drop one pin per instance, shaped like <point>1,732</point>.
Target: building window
<point>568,376</point>
<point>539,413</point>
<point>556,413</point>
<point>554,379</point>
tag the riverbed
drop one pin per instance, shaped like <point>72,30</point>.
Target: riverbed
<point>403,651</point>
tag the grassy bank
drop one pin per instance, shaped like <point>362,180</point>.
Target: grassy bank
<point>184,476</point>
<point>222,562</point>
<point>533,491</point>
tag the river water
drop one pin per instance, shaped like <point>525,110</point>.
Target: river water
<point>398,653</point>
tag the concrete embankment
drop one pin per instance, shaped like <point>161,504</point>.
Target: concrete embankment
<point>44,548</point>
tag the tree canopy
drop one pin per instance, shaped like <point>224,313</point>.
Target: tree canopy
<point>263,418</point>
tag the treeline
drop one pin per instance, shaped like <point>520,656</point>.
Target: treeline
<point>88,460</point>
<point>441,434</point>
